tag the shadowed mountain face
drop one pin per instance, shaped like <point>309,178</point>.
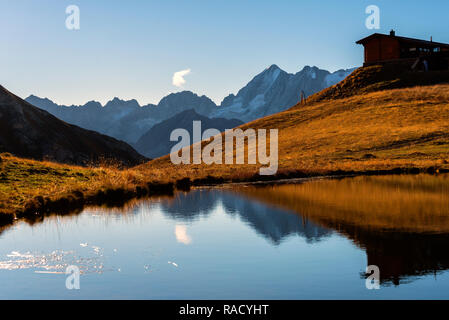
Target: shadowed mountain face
<point>156,142</point>
<point>27,131</point>
<point>125,120</point>
<point>272,91</point>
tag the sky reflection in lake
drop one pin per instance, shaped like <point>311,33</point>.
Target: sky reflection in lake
<point>270,242</point>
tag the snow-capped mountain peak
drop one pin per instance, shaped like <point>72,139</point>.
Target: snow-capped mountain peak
<point>271,91</point>
<point>274,90</point>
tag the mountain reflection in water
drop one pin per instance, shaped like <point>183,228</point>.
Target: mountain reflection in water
<point>281,241</point>
<point>402,222</point>
<point>269,221</point>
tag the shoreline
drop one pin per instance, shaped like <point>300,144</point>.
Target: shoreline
<point>76,201</point>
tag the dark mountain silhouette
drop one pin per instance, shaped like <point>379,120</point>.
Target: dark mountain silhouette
<point>27,131</point>
<point>156,142</point>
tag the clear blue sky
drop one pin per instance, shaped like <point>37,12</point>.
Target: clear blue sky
<point>130,49</point>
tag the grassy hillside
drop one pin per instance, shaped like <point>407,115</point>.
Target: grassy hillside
<point>360,128</point>
<point>28,187</point>
<point>384,130</point>
<point>377,78</point>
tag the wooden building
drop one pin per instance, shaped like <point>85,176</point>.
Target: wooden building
<point>415,53</point>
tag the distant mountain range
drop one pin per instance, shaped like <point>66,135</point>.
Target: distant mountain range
<point>275,90</point>
<point>271,91</point>
<point>124,120</point>
<point>29,132</point>
<point>156,142</point>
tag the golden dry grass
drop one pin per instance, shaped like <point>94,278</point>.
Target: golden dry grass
<point>21,180</point>
<point>400,128</point>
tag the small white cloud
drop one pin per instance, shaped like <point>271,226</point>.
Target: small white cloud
<point>178,77</point>
<point>173,264</point>
<point>182,236</point>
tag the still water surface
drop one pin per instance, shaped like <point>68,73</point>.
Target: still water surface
<point>293,241</point>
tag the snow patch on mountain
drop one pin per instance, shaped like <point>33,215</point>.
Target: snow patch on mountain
<point>275,90</point>
<point>271,91</point>
<point>337,76</point>
<point>272,76</point>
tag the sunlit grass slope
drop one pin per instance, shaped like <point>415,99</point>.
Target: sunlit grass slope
<point>382,130</point>
<point>360,125</point>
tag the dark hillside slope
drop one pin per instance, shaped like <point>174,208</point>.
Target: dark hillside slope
<point>27,131</point>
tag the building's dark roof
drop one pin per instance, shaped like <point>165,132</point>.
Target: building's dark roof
<point>404,39</point>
